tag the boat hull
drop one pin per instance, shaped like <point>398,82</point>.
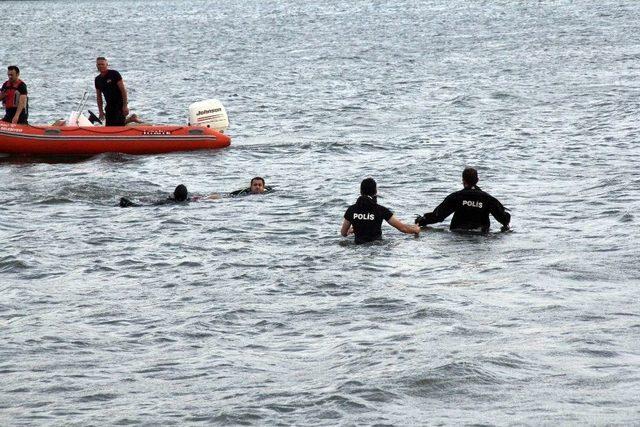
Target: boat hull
<point>90,140</point>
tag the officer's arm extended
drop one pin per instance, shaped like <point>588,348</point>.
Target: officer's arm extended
<point>405,228</point>
<point>346,228</point>
<point>444,209</point>
<point>499,212</point>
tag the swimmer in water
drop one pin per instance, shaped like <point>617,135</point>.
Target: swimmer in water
<point>256,186</point>
<point>180,195</point>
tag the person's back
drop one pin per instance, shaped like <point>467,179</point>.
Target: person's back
<point>470,207</point>
<point>366,217</point>
<point>180,195</point>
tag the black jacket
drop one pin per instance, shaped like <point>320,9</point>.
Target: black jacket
<point>471,208</point>
<point>366,217</point>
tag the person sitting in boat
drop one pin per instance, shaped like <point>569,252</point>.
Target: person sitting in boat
<point>180,195</point>
<point>14,97</point>
<point>256,186</point>
<point>470,208</point>
<point>110,84</point>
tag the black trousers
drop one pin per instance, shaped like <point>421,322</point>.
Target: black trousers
<point>11,112</point>
<point>114,117</point>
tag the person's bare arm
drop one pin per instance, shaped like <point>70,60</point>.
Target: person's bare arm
<point>346,228</point>
<point>22,103</point>
<point>100,105</point>
<point>405,228</point>
<point>125,99</point>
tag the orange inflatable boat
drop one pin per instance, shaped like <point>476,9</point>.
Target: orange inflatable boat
<point>78,136</point>
<point>89,140</point>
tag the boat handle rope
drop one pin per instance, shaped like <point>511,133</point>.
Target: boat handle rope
<point>85,128</point>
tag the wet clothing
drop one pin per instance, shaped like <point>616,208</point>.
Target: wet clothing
<point>108,85</point>
<point>12,92</point>
<point>127,203</point>
<point>471,208</point>
<point>366,216</point>
<point>247,191</point>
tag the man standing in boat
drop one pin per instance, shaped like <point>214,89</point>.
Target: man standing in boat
<point>110,84</point>
<point>14,97</point>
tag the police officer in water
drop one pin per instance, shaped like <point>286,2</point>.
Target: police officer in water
<point>364,218</point>
<point>470,207</point>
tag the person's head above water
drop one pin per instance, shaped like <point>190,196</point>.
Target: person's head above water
<point>180,194</point>
<point>257,185</point>
<point>368,187</point>
<point>469,177</point>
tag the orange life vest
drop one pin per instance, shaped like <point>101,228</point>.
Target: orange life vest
<point>12,96</point>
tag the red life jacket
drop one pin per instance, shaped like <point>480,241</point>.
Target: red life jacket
<point>12,95</point>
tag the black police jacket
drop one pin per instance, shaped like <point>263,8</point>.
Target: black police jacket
<point>471,208</point>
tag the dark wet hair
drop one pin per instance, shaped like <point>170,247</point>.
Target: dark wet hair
<point>14,68</point>
<point>101,58</point>
<point>470,176</point>
<point>180,193</point>
<point>259,178</point>
<point>368,187</point>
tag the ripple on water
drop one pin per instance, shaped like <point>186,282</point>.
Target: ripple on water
<point>254,310</point>
<point>11,264</point>
<point>451,379</point>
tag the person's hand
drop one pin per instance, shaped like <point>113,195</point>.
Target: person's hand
<point>101,115</point>
<point>125,111</point>
<point>350,230</point>
<point>14,121</point>
<point>416,230</point>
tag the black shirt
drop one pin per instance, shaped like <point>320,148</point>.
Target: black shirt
<point>247,191</point>
<point>366,217</point>
<point>471,208</point>
<point>108,85</point>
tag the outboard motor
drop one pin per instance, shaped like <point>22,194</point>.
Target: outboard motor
<point>78,119</point>
<point>209,113</point>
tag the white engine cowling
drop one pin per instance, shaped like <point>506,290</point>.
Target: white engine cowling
<point>78,120</point>
<point>210,113</point>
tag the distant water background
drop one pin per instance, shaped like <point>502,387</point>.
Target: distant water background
<point>254,311</point>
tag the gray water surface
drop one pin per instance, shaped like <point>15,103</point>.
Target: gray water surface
<point>254,310</point>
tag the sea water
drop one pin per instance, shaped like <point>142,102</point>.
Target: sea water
<point>253,310</point>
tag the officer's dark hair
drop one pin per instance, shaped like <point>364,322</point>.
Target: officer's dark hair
<point>180,193</point>
<point>101,58</point>
<point>14,68</point>
<point>259,178</point>
<point>368,187</point>
<point>470,176</point>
